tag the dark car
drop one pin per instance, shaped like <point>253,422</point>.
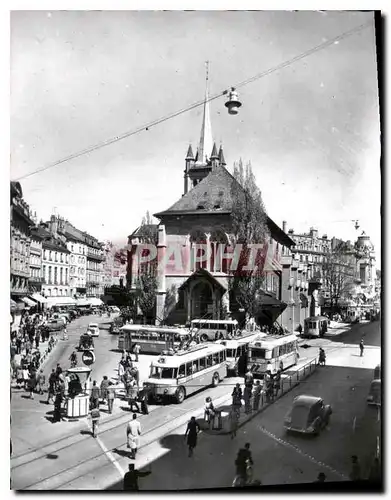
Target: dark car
<point>86,342</point>
<point>374,396</point>
<point>308,415</point>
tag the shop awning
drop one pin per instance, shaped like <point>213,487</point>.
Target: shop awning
<point>61,301</point>
<point>94,301</point>
<point>82,302</point>
<point>29,302</point>
<point>39,298</point>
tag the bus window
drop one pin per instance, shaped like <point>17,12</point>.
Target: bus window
<point>209,361</point>
<point>181,371</point>
<point>221,356</point>
<point>284,349</point>
<point>216,359</point>
<point>159,372</point>
<point>229,328</point>
<point>202,364</point>
<point>195,366</point>
<point>231,353</point>
<point>275,352</point>
<point>258,353</point>
<point>189,369</point>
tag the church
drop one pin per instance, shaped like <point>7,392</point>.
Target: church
<point>195,251</point>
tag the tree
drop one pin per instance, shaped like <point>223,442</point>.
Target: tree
<point>248,227</point>
<point>147,276</point>
<point>338,273</point>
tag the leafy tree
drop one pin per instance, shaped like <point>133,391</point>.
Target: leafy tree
<point>147,277</point>
<point>338,273</point>
<point>248,227</point>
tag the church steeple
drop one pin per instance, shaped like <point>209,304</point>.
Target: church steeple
<point>221,156</point>
<point>206,141</point>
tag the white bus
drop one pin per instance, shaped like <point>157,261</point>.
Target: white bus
<point>179,375</point>
<point>151,339</point>
<point>237,347</point>
<point>272,353</point>
<point>213,329</point>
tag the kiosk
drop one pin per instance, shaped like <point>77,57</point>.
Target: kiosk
<point>78,389</point>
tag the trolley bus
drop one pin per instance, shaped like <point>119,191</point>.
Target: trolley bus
<point>237,347</point>
<point>151,339</point>
<point>179,375</point>
<point>272,353</point>
<point>213,329</point>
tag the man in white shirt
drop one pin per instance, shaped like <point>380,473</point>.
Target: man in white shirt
<point>133,431</point>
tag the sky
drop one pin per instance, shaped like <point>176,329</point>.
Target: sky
<point>310,130</point>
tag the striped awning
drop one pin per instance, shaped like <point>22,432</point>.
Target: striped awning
<point>29,302</point>
<point>39,298</point>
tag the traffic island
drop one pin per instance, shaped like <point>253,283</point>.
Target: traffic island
<point>225,420</point>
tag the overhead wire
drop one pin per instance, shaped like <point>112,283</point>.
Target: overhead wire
<point>147,126</point>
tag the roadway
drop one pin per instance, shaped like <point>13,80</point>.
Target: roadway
<point>65,456</point>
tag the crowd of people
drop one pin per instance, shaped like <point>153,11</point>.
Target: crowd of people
<point>129,375</point>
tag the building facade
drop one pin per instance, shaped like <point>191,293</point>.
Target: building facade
<point>86,258</point>
<point>196,232</point>
<point>114,265</point>
<point>36,276</point>
<point>20,242</point>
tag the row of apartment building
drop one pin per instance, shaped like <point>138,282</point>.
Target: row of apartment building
<point>53,258</point>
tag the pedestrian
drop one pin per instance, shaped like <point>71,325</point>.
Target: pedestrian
<point>135,374</point>
<point>236,405</point>
<point>277,383</point>
<point>247,399</point>
<point>209,411</point>
<point>257,395</point>
<point>103,389</point>
<point>131,478</point>
<point>361,347</point>
<point>26,377</point>
<point>95,417</point>
<point>37,339</point>
<point>52,385</point>
<point>143,399</point>
<point>19,376</point>
<point>95,393</point>
<point>57,406</point>
<point>133,394</point>
<point>133,433</point>
<point>249,380</point>
<point>40,382</point>
<point>321,478</point>
<point>322,357</point>
<point>58,369</point>
<point>355,474</point>
<point>191,432</point>
<point>136,351</point>
<point>110,397</point>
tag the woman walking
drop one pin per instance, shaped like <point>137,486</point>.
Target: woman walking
<point>191,432</point>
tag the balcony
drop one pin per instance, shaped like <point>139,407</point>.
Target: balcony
<point>35,279</point>
<point>94,256</point>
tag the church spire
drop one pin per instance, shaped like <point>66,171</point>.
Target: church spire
<point>221,156</point>
<point>206,141</point>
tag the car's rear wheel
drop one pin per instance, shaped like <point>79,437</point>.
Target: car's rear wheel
<point>204,338</point>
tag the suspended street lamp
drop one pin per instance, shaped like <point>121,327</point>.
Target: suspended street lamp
<point>233,102</point>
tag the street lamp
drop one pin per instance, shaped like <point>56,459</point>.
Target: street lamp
<point>233,102</point>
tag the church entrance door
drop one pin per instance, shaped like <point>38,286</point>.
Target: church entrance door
<point>202,300</point>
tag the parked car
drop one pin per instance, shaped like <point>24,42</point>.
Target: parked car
<point>308,415</point>
<point>93,329</point>
<point>374,396</point>
<point>55,325</point>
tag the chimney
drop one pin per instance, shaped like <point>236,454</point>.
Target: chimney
<point>284,226</point>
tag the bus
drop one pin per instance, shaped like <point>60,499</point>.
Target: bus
<point>315,326</point>
<point>213,329</point>
<point>179,375</point>
<point>275,352</point>
<point>237,347</point>
<point>151,339</point>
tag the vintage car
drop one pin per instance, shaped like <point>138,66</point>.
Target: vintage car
<point>308,415</point>
<point>374,396</point>
<point>93,329</point>
<point>55,325</point>
<point>86,342</point>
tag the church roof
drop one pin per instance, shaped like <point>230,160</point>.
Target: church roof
<point>213,193</point>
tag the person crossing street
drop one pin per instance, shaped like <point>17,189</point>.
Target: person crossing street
<point>361,347</point>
